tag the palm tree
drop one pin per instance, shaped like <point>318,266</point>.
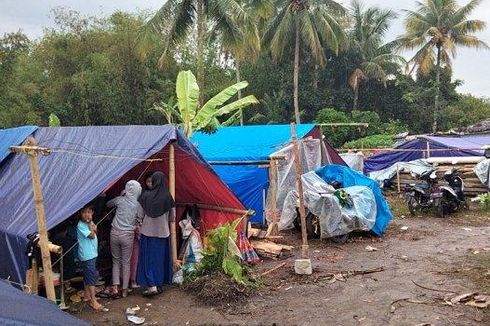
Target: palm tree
<point>315,23</point>
<point>194,117</point>
<point>177,18</point>
<point>247,46</point>
<point>436,28</point>
<point>377,60</point>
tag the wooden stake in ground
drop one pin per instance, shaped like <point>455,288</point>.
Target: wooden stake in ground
<point>299,184</point>
<point>273,228</point>
<point>171,185</point>
<point>32,151</point>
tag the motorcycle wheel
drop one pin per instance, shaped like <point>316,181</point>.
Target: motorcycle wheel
<point>413,206</point>
<point>341,238</point>
<point>313,226</point>
<point>440,210</point>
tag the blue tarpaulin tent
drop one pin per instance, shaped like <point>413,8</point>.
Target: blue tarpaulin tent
<point>246,144</point>
<point>348,178</point>
<point>84,162</point>
<point>22,309</point>
<point>13,137</point>
<point>439,146</point>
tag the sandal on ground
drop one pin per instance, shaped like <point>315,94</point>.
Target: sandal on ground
<point>108,293</point>
<point>147,293</point>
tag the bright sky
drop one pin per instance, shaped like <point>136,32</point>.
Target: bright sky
<point>31,16</point>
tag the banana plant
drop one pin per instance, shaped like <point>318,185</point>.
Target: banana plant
<point>192,117</point>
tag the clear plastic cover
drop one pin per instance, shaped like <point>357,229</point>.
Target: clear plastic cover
<point>354,160</point>
<point>311,159</point>
<point>417,166</point>
<point>335,219</point>
<point>482,171</point>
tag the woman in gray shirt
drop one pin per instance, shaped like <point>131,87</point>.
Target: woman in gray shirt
<point>122,234</point>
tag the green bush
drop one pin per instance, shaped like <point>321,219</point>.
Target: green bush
<point>374,141</point>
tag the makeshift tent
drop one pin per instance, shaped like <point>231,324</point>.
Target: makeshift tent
<point>13,137</point>
<point>236,153</point>
<point>348,178</point>
<point>428,146</point>
<point>22,309</point>
<point>84,162</point>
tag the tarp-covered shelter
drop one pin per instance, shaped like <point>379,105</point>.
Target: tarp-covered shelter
<point>86,161</point>
<point>22,309</point>
<point>236,153</point>
<point>348,178</point>
<point>13,137</point>
<point>428,146</point>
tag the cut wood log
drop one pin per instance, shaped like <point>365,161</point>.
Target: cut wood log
<point>268,248</point>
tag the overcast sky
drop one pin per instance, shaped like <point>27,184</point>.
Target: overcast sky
<point>31,16</point>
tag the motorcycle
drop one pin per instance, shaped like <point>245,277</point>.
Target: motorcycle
<point>313,222</point>
<point>425,195</point>
<point>453,197</point>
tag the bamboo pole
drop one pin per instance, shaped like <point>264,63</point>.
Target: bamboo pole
<point>32,151</point>
<point>398,178</point>
<point>220,209</point>
<point>299,184</point>
<point>171,185</point>
<point>273,228</point>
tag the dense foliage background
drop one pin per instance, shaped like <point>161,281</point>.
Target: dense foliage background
<point>93,71</point>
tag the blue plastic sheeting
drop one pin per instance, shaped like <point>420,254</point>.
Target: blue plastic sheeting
<point>348,178</point>
<point>440,147</point>
<point>22,309</point>
<point>248,183</point>
<point>246,143</point>
<point>70,178</point>
<point>13,137</point>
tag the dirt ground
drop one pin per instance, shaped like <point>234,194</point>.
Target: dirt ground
<point>451,254</point>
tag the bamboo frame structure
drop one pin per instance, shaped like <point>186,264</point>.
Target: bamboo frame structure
<point>299,184</point>
<point>220,209</point>
<point>171,185</point>
<point>32,151</point>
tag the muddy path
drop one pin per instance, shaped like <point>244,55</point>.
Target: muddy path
<point>444,255</point>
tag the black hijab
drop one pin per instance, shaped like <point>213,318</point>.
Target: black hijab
<point>157,201</point>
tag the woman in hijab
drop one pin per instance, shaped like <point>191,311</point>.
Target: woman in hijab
<point>137,235</point>
<point>155,261</point>
<point>122,234</point>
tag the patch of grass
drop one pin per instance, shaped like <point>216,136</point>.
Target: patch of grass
<point>476,268</point>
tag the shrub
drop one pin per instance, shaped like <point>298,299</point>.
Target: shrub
<point>374,141</point>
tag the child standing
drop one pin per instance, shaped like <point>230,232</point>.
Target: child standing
<point>87,254</point>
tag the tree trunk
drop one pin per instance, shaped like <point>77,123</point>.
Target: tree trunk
<point>200,49</point>
<point>239,79</point>
<point>316,77</point>
<point>356,96</point>
<point>296,69</point>
<point>438,78</point>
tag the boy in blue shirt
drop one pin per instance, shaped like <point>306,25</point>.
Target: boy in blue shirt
<point>87,254</point>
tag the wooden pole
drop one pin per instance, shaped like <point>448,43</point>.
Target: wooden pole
<point>398,179</point>
<point>299,184</point>
<point>273,228</point>
<point>171,184</point>
<point>219,209</point>
<point>32,151</point>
